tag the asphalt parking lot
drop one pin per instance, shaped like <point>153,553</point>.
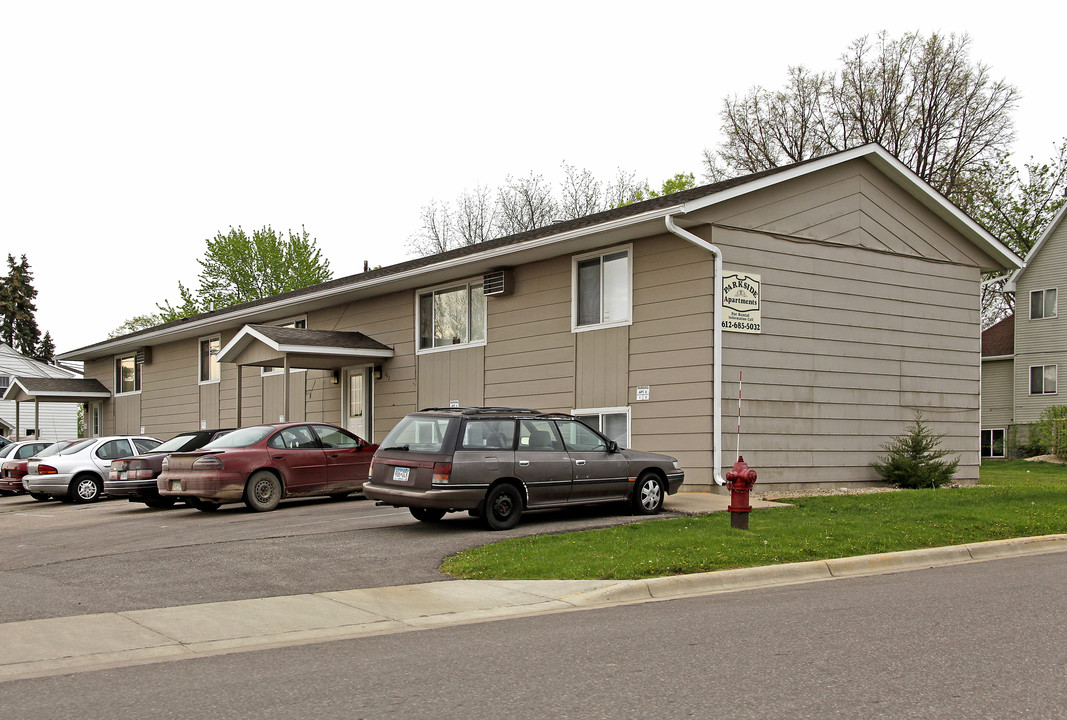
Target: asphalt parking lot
<point>60,559</point>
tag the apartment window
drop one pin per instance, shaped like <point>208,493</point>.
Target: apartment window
<point>993,443</point>
<point>451,316</point>
<point>299,323</point>
<point>209,359</point>
<point>127,374</point>
<point>1042,379</point>
<point>601,287</point>
<point>5,383</point>
<point>1042,304</point>
<point>614,423</point>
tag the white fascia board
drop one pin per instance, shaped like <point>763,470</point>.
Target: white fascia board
<point>381,282</point>
<point>1010,285</point>
<point>892,167</point>
<point>333,350</point>
<point>242,340</point>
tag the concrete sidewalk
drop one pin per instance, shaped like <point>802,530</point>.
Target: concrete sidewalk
<point>38,648</point>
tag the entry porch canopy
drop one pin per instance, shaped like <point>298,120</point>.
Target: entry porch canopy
<point>50,389</point>
<point>299,348</point>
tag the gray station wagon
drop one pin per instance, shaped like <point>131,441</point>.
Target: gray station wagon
<point>497,462</point>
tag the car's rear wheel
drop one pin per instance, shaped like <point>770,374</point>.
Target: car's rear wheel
<point>85,489</point>
<point>160,503</point>
<point>263,491</point>
<point>648,495</point>
<point>503,506</point>
<point>427,515</point>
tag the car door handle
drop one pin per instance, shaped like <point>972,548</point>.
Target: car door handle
<point>579,462</point>
<point>277,457</point>
<point>333,455</point>
<point>524,463</point>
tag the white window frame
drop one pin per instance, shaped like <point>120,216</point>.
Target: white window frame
<point>1030,379</point>
<point>200,359</point>
<point>265,371</point>
<point>1044,300</point>
<point>629,319</point>
<point>466,283</point>
<point>138,375</point>
<point>602,411</point>
<point>1003,442</point>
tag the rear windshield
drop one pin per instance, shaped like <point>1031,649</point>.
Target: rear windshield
<point>241,438</point>
<point>54,448</point>
<point>7,450</point>
<point>80,445</point>
<point>180,443</point>
<point>420,433</point>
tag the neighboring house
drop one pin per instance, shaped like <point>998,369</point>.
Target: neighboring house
<point>849,295</point>
<point>1021,355</point>
<point>50,420</point>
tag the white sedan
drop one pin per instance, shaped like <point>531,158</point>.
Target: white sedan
<point>76,473</point>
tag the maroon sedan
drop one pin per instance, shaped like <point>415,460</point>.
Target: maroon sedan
<point>263,464</point>
<point>12,471</point>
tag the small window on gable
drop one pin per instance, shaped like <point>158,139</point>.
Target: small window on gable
<point>209,360</point>
<point>1042,379</point>
<point>602,292</point>
<point>451,316</point>
<point>127,374</point>
<point>1043,304</point>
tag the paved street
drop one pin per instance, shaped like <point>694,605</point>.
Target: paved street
<point>978,640</point>
<point>60,560</point>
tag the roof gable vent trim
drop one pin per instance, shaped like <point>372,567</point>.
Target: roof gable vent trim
<point>498,282</point>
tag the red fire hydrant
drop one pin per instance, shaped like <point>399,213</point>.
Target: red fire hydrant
<point>740,480</point>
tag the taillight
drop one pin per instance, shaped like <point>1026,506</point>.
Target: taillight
<point>43,469</point>
<point>370,471</point>
<point>166,463</point>
<point>208,462</point>
<point>442,471</point>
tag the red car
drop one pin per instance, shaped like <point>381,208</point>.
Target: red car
<point>12,471</point>
<point>263,464</point>
<point>14,456</point>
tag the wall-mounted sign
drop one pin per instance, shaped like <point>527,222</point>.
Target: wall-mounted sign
<point>740,310</point>
<point>643,392</point>
<point>453,403</point>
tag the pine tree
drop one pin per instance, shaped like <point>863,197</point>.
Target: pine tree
<point>46,349</point>
<point>914,459</point>
<point>18,326</point>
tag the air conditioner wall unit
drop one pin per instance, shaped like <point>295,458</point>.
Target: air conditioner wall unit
<point>498,282</point>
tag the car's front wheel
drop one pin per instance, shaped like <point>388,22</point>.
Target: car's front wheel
<point>503,506</point>
<point>85,489</point>
<point>648,495</point>
<point>427,515</point>
<point>263,491</point>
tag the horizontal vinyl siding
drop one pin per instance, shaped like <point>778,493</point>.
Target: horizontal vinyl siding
<point>997,393</point>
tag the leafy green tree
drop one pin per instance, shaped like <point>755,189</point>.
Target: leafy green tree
<point>137,322</point>
<point>1050,431</point>
<point>18,324</point>
<point>914,459</point>
<point>237,268</point>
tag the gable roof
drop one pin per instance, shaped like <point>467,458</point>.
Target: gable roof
<point>620,224</point>
<point>304,348</point>
<point>999,340</point>
<point>13,362</point>
<point>1010,285</point>
<point>48,389</point>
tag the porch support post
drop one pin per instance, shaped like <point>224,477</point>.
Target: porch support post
<point>285,406</point>
<point>36,418</point>
<point>238,396</point>
<point>17,405</point>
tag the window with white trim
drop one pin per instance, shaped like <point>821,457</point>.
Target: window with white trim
<point>209,359</point>
<point>602,293</point>
<point>1042,379</point>
<point>5,383</point>
<point>451,316</point>
<point>993,443</point>
<point>295,323</point>
<point>127,374</point>
<point>613,422</point>
<point>1043,304</point>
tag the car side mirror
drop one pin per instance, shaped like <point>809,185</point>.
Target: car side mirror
<point>613,447</point>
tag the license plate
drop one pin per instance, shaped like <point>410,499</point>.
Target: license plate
<point>176,485</point>
<point>124,475</point>
<point>401,474</point>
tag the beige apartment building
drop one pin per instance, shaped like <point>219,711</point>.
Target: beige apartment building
<point>849,301</point>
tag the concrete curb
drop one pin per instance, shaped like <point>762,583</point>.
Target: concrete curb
<point>54,646</point>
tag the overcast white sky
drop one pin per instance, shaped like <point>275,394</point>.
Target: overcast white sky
<point>133,131</point>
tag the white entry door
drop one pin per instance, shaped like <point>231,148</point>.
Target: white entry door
<point>357,402</point>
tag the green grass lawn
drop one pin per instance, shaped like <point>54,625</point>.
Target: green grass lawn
<point>1018,499</point>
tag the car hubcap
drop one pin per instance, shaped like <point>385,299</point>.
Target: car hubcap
<point>502,507</point>
<point>87,490</point>
<point>650,495</point>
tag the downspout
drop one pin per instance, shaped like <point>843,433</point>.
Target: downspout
<point>716,373</point>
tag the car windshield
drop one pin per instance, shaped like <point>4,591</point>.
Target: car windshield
<point>76,447</point>
<point>178,443</point>
<point>419,433</point>
<point>54,448</point>
<point>7,450</point>
<point>241,438</point>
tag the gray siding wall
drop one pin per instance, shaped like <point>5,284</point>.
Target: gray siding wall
<point>1044,341</point>
<point>997,393</point>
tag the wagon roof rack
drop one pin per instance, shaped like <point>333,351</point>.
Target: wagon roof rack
<point>483,410</point>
